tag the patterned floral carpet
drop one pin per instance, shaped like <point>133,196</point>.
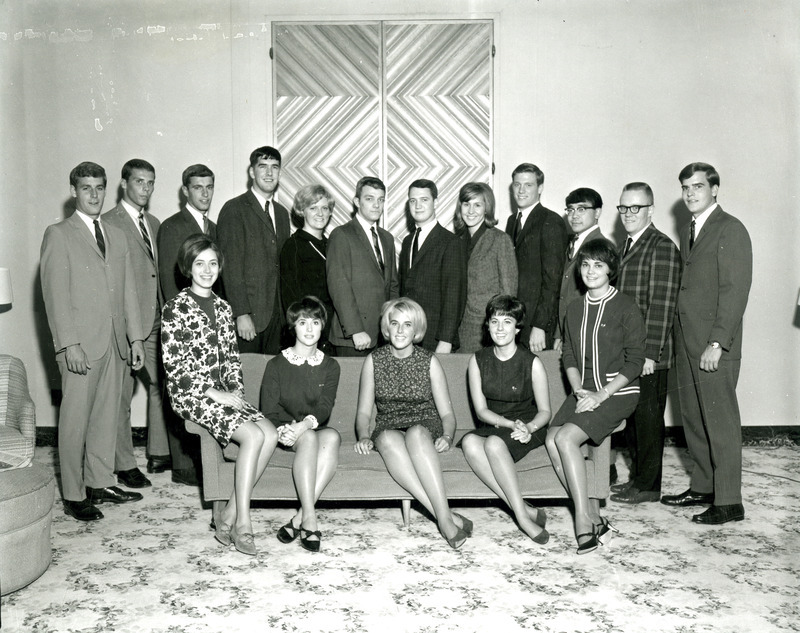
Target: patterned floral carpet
<point>154,566</point>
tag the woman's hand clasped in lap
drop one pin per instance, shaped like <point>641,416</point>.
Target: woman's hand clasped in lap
<point>226,398</point>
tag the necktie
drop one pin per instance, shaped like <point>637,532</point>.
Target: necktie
<point>98,235</point>
<point>269,217</point>
<point>517,227</point>
<point>143,228</point>
<point>205,224</point>
<point>415,247</point>
<point>377,247</point>
<point>571,249</point>
<point>691,235</point>
<point>628,244</point>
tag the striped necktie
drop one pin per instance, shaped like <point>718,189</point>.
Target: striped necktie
<point>98,236</point>
<point>147,244</point>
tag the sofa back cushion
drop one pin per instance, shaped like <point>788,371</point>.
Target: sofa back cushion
<point>455,367</point>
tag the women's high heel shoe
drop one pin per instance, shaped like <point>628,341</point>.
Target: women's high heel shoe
<point>458,539</point>
<point>605,531</point>
<point>541,515</point>
<point>244,543</point>
<point>591,544</point>
<point>222,533</point>
<point>466,524</point>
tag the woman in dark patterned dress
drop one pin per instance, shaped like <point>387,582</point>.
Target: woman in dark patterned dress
<point>303,255</point>
<point>297,394</point>
<point>509,391</point>
<point>204,381</point>
<point>603,355</point>
<point>415,419</point>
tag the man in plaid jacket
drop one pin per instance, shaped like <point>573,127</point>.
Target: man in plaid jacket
<point>650,273</point>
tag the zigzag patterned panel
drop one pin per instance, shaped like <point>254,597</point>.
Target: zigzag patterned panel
<point>327,105</point>
<point>335,82</point>
<point>438,111</point>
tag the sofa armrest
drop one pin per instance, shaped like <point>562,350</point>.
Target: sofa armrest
<point>211,456</point>
<point>601,457</point>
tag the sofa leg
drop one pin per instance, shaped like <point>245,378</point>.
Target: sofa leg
<point>406,510</point>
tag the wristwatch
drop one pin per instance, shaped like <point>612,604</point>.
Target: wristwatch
<point>714,345</point>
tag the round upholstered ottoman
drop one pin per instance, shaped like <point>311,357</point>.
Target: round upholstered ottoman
<point>26,513</point>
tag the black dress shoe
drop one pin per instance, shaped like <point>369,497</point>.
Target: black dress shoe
<point>717,515</point>
<point>82,510</point>
<point>186,477</point>
<point>688,498</point>
<point>112,494</point>
<point>133,478</point>
<point>633,496</point>
<point>159,463</point>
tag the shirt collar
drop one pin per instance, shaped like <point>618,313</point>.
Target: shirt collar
<point>197,215</point>
<point>635,237</point>
<point>314,360</point>
<point>87,220</point>
<point>701,219</point>
<point>132,211</point>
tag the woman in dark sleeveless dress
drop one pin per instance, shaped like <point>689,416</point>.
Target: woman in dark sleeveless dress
<point>509,392</point>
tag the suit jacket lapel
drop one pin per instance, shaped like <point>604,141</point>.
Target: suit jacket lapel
<point>256,208</point>
<point>367,243</point>
<point>429,243</point>
<point>86,234</point>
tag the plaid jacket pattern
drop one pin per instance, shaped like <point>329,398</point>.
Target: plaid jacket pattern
<point>651,273</point>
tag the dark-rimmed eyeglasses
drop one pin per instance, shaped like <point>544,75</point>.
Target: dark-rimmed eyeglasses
<point>632,209</point>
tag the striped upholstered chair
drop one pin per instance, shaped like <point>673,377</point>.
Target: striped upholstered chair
<point>17,413</point>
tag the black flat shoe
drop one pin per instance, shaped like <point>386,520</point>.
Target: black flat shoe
<point>133,478</point>
<point>82,510</point>
<point>112,494</point>
<point>306,542</point>
<point>288,533</point>
<point>159,463</point>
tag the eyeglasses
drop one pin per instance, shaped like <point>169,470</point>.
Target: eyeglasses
<point>634,209</point>
<point>578,210</point>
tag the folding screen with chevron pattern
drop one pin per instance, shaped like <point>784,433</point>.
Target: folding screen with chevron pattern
<point>399,100</point>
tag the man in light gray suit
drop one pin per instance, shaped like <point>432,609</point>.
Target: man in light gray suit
<point>141,229</point>
<point>90,298</point>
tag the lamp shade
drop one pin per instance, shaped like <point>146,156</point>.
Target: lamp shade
<point>6,296</point>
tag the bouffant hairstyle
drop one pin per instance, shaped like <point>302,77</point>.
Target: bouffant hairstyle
<point>309,307</point>
<point>411,309</point>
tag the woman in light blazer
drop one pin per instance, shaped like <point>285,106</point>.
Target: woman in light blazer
<point>492,267</point>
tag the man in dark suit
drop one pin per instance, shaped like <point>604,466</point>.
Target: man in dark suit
<point>90,297</point>
<point>433,269</point>
<point>717,273</point>
<point>540,241</point>
<point>141,229</point>
<point>198,188</point>
<point>584,207</point>
<point>361,271</point>
<point>650,271</point>
<point>251,230</point>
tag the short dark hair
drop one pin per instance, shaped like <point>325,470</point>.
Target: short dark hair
<point>711,174</point>
<point>529,168</point>
<point>192,246</point>
<point>196,171</point>
<point>305,197</point>
<point>640,186</point>
<point>369,181</point>
<point>87,169</point>
<point>265,152</point>
<point>505,305</point>
<point>584,194</point>
<point>136,163</point>
<point>309,307</point>
<point>601,251</point>
<point>423,183</point>
<point>469,192</point>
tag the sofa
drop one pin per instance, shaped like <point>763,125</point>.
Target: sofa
<point>27,490</point>
<point>364,478</point>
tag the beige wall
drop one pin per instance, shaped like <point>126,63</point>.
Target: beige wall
<point>598,93</point>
